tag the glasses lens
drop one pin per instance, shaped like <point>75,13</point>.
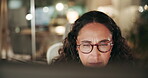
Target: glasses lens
<point>85,48</point>
<point>104,47</point>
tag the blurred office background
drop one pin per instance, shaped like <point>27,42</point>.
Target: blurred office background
<point>28,28</point>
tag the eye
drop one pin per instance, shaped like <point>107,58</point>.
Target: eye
<point>104,44</point>
<point>86,45</point>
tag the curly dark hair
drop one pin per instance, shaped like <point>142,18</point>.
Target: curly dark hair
<point>120,50</point>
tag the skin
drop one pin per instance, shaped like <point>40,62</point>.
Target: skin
<point>94,33</point>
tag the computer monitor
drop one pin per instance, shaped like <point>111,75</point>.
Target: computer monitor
<point>33,70</point>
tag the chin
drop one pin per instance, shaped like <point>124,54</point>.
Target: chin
<point>95,65</point>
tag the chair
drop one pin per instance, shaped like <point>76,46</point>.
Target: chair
<point>52,52</point>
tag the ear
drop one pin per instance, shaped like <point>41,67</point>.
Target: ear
<point>77,42</point>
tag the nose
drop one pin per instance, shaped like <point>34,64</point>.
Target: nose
<point>95,52</point>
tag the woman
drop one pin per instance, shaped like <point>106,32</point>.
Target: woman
<point>95,40</point>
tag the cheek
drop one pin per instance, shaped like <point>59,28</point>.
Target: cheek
<point>83,57</point>
<point>106,57</point>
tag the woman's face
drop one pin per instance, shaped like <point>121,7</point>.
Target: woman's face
<point>94,33</point>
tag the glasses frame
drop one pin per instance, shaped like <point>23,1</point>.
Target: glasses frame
<point>98,44</point>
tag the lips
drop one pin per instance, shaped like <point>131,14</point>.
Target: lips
<point>96,64</point>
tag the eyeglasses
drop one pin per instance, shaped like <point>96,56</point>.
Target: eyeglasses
<point>101,46</point>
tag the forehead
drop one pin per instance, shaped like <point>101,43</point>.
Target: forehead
<point>94,31</point>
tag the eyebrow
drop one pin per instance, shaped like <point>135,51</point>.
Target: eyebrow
<point>105,40</point>
<point>86,41</point>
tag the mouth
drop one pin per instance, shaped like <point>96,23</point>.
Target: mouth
<point>98,64</point>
